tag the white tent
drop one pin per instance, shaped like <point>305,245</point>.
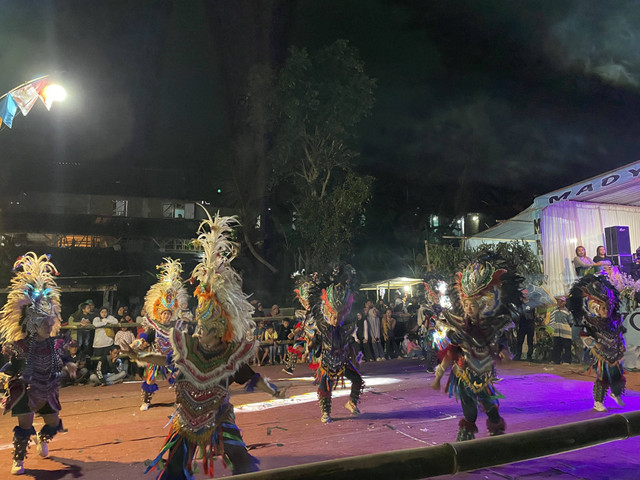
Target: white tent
<point>561,220</point>
<point>383,287</point>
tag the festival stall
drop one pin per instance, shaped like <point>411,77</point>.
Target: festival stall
<point>385,287</point>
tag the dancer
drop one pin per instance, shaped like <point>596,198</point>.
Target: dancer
<point>594,303</point>
<point>305,328</point>
<point>208,361</point>
<point>164,304</point>
<point>28,320</point>
<point>331,299</point>
<point>484,300</point>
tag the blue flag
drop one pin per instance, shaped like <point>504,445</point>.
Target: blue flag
<point>8,108</point>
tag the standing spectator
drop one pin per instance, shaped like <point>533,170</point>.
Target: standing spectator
<point>361,334</point>
<point>398,305</point>
<point>380,306</point>
<point>123,310</point>
<point>109,370</point>
<point>270,337</point>
<point>81,319</point>
<point>258,312</point>
<point>373,320</point>
<point>103,337</point>
<point>526,326</point>
<point>561,321</point>
<point>274,312</point>
<point>388,335</point>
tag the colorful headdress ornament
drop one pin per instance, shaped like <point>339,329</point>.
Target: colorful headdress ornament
<point>494,289</point>
<point>222,304</point>
<point>168,293</point>
<point>478,277</point>
<point>332,296</point>
<point>304,285</point>
<point>595,301</point>
<point>34,297</point>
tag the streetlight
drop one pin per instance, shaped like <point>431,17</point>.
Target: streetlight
<point>54,93</point>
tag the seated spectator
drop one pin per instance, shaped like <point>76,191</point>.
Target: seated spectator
<point>285,334</point>
<point>601,256</point>
<point>269,342</point>
<point>581,262</point>
<point>140,320</point>
<point>123,339</point>
<point>411,347</point>
<point>109,369</point>
<point>72,355</point>
<point>258,334</point>
<point>274,312</point>
<point>139,345</point>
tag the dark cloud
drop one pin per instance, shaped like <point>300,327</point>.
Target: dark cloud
<point>473,99</point>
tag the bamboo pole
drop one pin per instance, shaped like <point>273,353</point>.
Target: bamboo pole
<point>451,458</point>
<point>23,85</point>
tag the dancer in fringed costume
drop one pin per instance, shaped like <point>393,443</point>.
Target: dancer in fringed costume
<point>594,303</point>
<point>29,319</point>
<point>163,304</point>
<point>305,328</point>
<point>331,299</point>
<point>207,362</point>
<point>484,300</point>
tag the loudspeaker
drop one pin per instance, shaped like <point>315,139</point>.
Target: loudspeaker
<point>617,241</point>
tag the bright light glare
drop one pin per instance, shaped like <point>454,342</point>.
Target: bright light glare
<point>55,93</point>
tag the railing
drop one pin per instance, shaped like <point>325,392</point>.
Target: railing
<point>452,458</point>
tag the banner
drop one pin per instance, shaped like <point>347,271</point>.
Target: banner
<point>632,339</point>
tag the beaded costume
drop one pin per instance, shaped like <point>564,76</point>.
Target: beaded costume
<point>484,298</point>
<point>29,318</point>
<point>207,362</point>
<point>331,299</point>
<point>167,295</point>
<point>594,303</point>
<point>304,329</point>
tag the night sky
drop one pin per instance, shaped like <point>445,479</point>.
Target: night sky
<point>481,105</point>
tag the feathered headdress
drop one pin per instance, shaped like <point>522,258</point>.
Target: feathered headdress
<point>303,286</point>
<point>495,289</point>
<point>221,302</point>
<point>169,293</point>
<point>595,302</point>
<point>34,297</point>
<point>332,295</point>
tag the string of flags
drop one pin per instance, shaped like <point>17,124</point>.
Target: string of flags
<point>24,97</point>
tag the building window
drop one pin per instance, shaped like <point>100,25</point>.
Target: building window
<point>120,208</point>
<point>177,210</point>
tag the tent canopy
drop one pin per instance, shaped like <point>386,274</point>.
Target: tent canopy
<point>397,282</point>
<point>617,187</point>
<point>574,215</point>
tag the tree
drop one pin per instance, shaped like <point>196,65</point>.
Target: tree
<point>319,100</point>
